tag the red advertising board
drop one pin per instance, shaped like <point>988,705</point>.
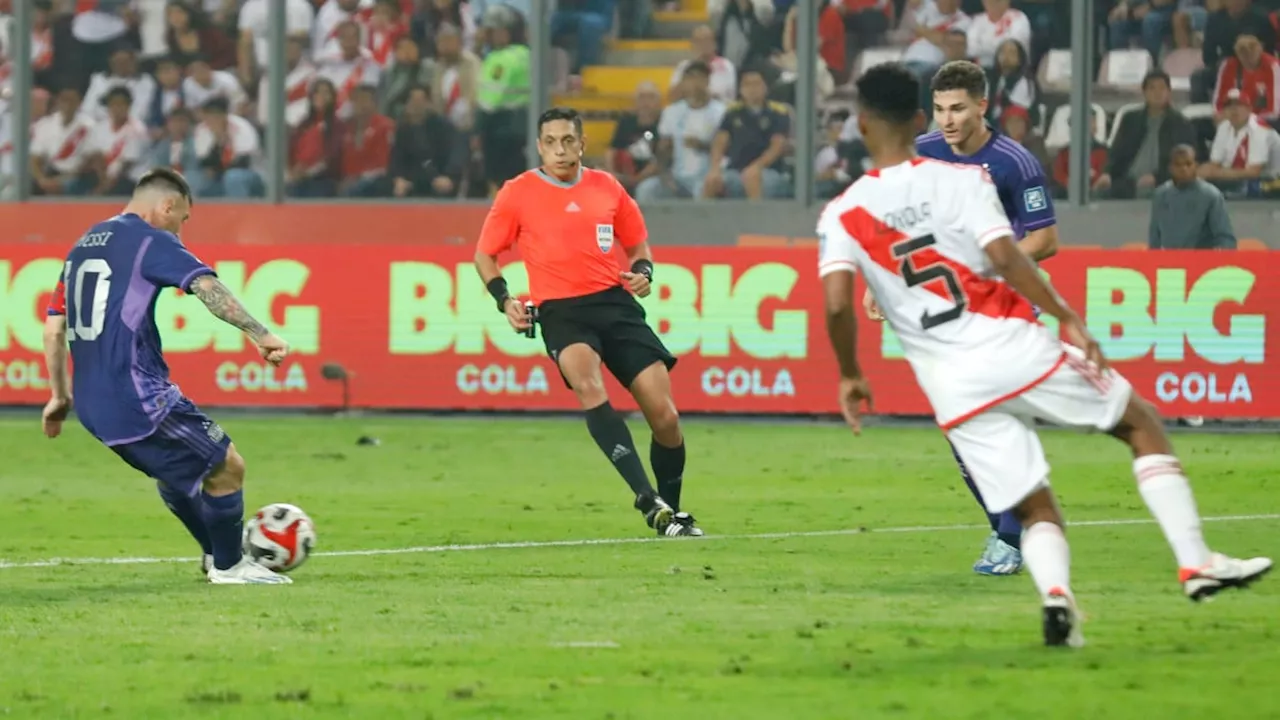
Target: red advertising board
<point>415,327</point>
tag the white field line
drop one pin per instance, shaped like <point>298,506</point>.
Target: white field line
<point>518,545</point>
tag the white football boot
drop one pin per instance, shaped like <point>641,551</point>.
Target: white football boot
<point>1221,573</point>
<point>206,564</point>
<point>247,572</point>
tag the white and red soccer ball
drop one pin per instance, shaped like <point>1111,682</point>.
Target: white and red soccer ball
<point>279,537</point>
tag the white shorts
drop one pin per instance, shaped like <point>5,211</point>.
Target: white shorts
<point>1000,447</point>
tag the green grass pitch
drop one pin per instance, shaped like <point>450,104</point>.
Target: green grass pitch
<point>800,624</point>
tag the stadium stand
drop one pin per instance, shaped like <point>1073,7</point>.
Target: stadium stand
<point>450,78</point>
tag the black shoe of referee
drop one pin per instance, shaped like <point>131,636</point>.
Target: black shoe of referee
<point>659,515</point>
<point>682,525</point>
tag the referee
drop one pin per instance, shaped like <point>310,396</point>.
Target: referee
<point>584,245</point>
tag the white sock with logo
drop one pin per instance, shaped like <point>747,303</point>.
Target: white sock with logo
<point>1168,496</point>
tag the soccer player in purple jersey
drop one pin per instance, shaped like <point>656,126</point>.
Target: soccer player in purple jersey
<point>959,108</point>
<point>104,308</point>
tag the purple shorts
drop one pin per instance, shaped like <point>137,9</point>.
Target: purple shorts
<point>182,452</point>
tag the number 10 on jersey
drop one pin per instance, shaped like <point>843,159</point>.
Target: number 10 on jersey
<point>87,310</point>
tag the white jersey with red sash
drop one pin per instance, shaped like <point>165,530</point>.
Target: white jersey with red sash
<point>297,88</point>
<point>121,147</point>
<point>346,75</point>
<point>62,143</point>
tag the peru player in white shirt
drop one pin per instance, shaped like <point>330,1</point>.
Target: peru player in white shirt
<point>934,245</point>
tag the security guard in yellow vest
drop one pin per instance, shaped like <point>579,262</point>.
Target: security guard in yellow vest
<point>502,98</point>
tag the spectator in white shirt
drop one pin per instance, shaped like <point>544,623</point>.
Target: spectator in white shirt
<point>297,86</point>
<point>204,83</point>
<point>685,132</point>
<point>934,20</point>
<point>116,145</point>
<point>724,77</point>
<point>1242,147</point>
<point>324,33</point>
<point>122,72</point>
<point>999,23</point>
<point>254,50</point>
<point>353,67</point>
<point>59,151</point>
<point>228,151</point>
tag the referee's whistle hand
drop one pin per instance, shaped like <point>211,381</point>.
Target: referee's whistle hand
<point>517,315</point>
<point>638,284</point>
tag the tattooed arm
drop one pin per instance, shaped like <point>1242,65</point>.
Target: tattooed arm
<point>225,306</point>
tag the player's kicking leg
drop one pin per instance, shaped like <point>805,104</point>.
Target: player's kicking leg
<point>200,476</point>
<point>1167,492</point>
<point>1002,554</point>
<point>652,391</point>
<point>580,365</point>
<point>223,498</point>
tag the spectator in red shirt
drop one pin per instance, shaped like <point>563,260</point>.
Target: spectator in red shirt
<point>366,147</point>
<point>1255,74</point>
<point>315,149</point>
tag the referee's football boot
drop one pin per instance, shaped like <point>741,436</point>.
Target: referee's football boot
<point>657,513</point>
<point>682,525</point>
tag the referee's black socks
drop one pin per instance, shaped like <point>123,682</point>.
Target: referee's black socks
<point>610,432</point>
<point>668,469</point>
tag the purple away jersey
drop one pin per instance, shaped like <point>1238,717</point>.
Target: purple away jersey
<point>1017,174</point>
<point>108,292</point>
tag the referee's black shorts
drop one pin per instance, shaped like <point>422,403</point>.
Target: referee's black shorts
<point>610,322</point>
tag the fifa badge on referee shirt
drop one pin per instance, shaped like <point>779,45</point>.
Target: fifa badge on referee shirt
<point>604,237</point>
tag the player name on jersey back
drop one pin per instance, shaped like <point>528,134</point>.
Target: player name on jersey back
<point>916,232</point>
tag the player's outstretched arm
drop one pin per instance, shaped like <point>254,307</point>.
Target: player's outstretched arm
<point>228,309</point>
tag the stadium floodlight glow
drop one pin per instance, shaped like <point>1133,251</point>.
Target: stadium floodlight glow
<point>336,372</point>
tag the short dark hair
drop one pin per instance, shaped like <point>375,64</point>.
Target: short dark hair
<point>697,67</point>
<point>119,91</point>
<point>890,92</point>
<point>1156,75</point>
<point>167,179</point>
<point>960,75</point>
<point>561,113</point>
<point>369,88</point>
<point>217,103</point>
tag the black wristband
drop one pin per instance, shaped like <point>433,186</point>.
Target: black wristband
<point>643,267</point>
<point>497,287</point>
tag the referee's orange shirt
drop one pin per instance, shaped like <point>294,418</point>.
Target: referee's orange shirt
<point>572,237</point>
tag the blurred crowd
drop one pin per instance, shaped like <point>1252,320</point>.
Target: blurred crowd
<point>430,98</point>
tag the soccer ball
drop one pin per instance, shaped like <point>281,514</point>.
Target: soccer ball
<point>279,537</point>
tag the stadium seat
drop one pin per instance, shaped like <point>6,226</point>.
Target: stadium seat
<point>618,80</point>
<point>1179,64</point>
<point>1124,69</point>
<point>599,133</point>
<point>1059,135</point>
<point>1115,121</point>
<point>1054,73</point>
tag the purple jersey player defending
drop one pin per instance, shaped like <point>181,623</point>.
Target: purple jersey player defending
<point>104,308</point>
<point>959,108</point>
